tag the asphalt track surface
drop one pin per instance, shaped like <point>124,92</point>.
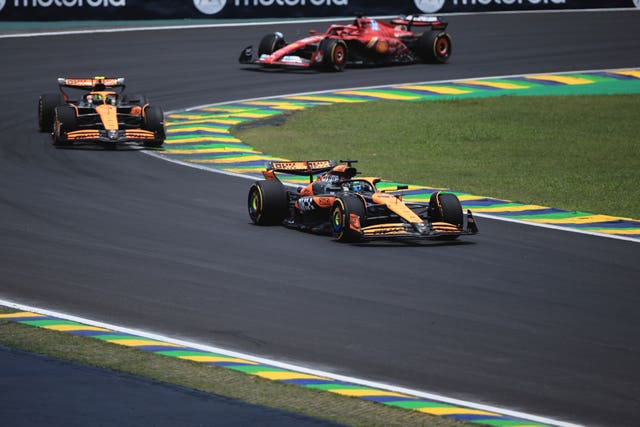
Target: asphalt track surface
<point>537,320</point>
<point>68,394</point>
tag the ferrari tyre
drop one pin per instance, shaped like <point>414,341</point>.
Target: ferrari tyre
<point>47,104</point>
<point>347,218</point>
<point>334,54</point>
<point>154,122</point>
<point>268,203</point>
<point>434,46</point>
<point>65,121</point>
<point>270,43</point>
<point>445,207</point>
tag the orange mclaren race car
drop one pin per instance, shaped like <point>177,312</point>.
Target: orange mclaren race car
<point>101,113</point>
<point>352,209</point>
<point>366,41</point>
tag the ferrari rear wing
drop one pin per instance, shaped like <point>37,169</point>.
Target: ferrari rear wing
<point>420,21</point>
<point>301,168</point>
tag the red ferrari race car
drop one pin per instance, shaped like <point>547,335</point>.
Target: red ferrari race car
<point>352,209</point>
<point>367,41</point>
<point>101,113</point>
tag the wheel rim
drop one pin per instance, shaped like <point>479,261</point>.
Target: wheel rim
<point>338,54</point>
<point>442,47</point>
<point>337,221</point>
<point>255,204</point>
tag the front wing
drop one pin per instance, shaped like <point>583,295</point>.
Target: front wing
<point>113,136</point>
<point>434,230</point>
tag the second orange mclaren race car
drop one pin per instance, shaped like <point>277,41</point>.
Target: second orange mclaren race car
<point>352,209</point>
<point>101,113</point>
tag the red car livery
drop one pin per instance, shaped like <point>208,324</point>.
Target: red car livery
<point>366,41</point>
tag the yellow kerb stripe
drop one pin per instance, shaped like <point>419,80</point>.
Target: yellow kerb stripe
<point>333,99</point>
<point>568,80</point>
<point>216,359</point>
<point>360,392</point>
<point>577,220</point>
<point>510,208</point>
<point>140,343</point>
<point>436,89</point>
<point>498,85</point>
<point>632,73</point>
<point>449,411</point>
<point>380,95</point>
<point>278,375</point>
<point>20,315</point>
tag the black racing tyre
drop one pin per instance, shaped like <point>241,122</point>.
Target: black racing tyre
<point>154,122</point>
<point>135,99</point>
<point>445,207</point>
<point>65,120</point>
<point>268,202</point>
<point>334,54</point>
<point>47,104</point>
<point>270,43</point>
<point>434,46</point>
<point>343,224</point>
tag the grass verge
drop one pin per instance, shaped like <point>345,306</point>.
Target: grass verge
<point>572,152</point>
<point>211,379</point>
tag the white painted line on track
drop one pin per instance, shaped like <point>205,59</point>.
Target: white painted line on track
<point>480,215</point>
<point>280,22</point>
<point>292,367</point>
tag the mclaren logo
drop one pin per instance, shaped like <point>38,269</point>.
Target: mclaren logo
<point>636,2</point>
<point>209,7</point>
<point>2,4</point>
<point>429,6</point>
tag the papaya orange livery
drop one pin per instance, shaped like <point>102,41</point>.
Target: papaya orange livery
<point>98,110</point>
<point>352,209</point>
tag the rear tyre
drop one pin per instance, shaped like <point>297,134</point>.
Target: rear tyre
<point>347,218</point>
<point>434,46</point>
<point>270,43</point>
<point>47,104</point>
<point>445,207</point>
<point>154,122</point>
<point>334,54</point>
<point>267,203</point>
<point>65,120</point>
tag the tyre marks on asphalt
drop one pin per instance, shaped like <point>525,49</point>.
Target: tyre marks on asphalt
<point>202,136</point>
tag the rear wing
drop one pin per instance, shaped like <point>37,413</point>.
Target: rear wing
<point>301,168</point>
<point>95,83</point>
<point>420,21</point>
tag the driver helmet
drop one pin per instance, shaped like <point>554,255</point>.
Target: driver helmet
<point>111,99</point>
<point>356,186</point>
<point>98,99</point>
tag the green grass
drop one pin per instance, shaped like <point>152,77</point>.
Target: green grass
<point>571,152</point>
<point>211,379</point>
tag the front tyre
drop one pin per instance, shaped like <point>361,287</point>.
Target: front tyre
<point>154,122</point>
<point>334,54</point>
<point>65,120</point>
<point>446,207</point>
<point>270,43</point>
<point>47,104</point>
<point>268,202</point>
<point>347,218</point>
<point>434,46</point>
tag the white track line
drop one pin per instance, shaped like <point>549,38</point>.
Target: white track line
<point>283,365</point>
